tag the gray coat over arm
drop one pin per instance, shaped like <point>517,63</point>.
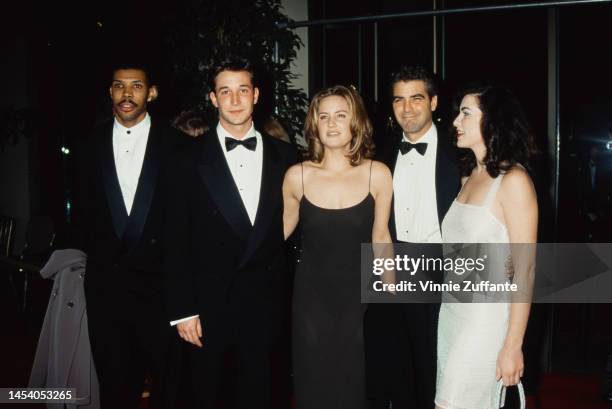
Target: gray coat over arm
<point>63,357</point>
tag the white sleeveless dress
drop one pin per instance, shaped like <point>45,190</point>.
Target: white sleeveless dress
<point>470,335</point>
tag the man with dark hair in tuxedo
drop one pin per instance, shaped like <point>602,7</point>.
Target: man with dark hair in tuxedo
<point>401,339</point>
<point>118,216</point>
<point>226,264</point>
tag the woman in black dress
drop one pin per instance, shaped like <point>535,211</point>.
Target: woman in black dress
<point>341,198</point>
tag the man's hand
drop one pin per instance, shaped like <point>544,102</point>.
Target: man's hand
<point>191,331</point>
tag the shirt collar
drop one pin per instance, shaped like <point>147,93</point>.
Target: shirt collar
<point>135,130</point>
<point>429,137</point>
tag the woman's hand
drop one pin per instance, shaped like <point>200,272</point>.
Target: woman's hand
<point>510,365</point>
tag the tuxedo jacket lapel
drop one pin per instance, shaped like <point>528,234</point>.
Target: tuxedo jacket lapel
<point>391,156</point>
<point>114,197</point>
<point>217,177</point>
<point>269,197</point>
<point>145,190</point>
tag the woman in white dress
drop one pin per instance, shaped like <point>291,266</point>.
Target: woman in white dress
<point>481,343</point>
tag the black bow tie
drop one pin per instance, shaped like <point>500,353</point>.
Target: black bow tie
<point>406,147</point>
<point>249,143</point>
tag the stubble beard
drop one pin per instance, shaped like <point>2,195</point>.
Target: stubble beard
<point>414,127</point>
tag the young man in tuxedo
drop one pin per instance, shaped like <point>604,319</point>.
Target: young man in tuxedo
<point>401,338</point>
<point>118,222</point>
<point>226,264</point>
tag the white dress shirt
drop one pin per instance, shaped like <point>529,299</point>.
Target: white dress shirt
<point>414,190</point>
<point>246,167</point>
<point>129,147</point>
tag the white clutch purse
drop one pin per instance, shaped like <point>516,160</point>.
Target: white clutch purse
<point>499,396</point>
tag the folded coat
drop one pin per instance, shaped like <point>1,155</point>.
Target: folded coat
<point>63,356</point>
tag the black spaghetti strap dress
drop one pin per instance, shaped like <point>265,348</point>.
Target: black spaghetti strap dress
<point>328,348</point>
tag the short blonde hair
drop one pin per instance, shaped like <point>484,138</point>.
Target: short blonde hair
<point>362,145</point>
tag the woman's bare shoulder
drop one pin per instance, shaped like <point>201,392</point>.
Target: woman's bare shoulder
<point>517,177</point>
<point>380,170</point>
<point>381,180</point>
<point>293,170</point>
<point>517,184</point>
<point>293,176</point>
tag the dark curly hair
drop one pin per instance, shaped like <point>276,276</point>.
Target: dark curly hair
<point>506,132</point>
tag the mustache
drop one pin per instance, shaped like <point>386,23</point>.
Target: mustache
<point>129,101</point>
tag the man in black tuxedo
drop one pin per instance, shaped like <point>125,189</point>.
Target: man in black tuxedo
<point>401,338</point>
<point>118,219</point>
<point>226,254</point>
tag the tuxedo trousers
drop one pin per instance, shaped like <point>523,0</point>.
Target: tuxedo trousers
<point>235,375</point>
<point>401,342</point>
<point>401,355</point>
<point>131,344</point>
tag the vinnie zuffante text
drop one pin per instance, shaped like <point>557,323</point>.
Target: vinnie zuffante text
<point>456,265</point>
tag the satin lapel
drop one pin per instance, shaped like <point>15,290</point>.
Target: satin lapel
<point>217,177</point>
<point>270,197</point>
<point>145,190</point>
<point>114,196</point>
<point>391,158</point>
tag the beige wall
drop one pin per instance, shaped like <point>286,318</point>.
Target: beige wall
<point>298,11</point>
